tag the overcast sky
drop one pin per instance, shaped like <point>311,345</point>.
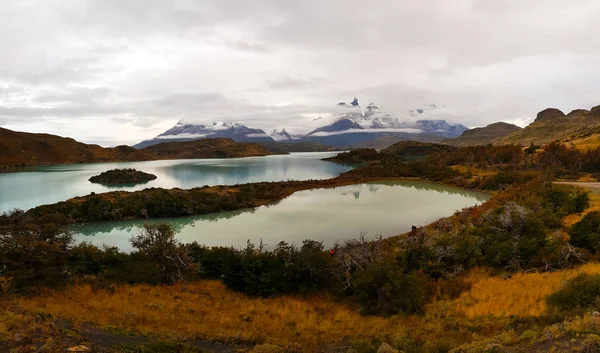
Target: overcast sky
<point>120,71</point>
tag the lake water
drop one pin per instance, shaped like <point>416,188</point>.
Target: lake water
<point>50,184</point>
<point>327,215</point>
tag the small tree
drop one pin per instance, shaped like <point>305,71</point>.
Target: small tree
<point>158,243</point>
<point>33,255</point>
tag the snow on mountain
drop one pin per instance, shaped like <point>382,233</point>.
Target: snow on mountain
<point>353,118</point>
<point>187,132</point>
<point>280,135</point>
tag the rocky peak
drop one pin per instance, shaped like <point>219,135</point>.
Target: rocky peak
<point>549,114</point>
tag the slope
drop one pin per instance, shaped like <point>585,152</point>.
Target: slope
<point>483,135</point>
<point>552,124</point>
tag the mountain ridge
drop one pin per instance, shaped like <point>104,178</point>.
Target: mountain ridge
<point>19,149</point>
<point>483,135</point>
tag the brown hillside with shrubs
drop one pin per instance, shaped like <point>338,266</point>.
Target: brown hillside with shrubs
<point>19,149</point>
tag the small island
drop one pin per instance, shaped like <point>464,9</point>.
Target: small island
<point>122,177</point>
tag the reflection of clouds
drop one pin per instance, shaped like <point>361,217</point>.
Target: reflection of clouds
<point>328,215</point>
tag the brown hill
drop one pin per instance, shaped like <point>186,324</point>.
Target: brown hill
<point>552,125</point>
<point>207,148</point>
<point>483,135</point>
<point>18,149</point>
<point>415,149</point>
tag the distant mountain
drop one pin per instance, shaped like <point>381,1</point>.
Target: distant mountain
<point>280,135</point>
<point>18,149</point>
<point>552,124</point>
<point>189,132</point>
<point>356,126</point>
<point>483,135</point>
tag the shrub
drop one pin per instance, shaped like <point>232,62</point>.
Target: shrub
<point>34,255</point>
<point>157,242</point>
<point>586,233</point>
<point>580,294</point>
<point>383,289</point>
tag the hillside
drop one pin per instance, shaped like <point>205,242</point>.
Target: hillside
<point>415,149</point>
<point>483,135</point>
<point>22,149</point>
<point>207,148</point>
<point>18,149</point>
<point>552,124</point>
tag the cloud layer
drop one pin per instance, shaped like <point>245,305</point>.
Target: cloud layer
<point>111,72</point>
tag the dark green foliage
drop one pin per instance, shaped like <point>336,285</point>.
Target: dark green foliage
<point>384,289</point>
<point>512,237</point>
<point>586,233</point>
<point>255,271</point>
<point>582,293</point>
<point>34,255</point>
<point>532,148</point>
<point>87,259</point>
<point>122,177</point>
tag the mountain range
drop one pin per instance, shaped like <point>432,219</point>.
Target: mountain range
<point>353,126</point>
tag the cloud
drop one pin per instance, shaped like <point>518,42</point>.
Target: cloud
<point>113,70</point>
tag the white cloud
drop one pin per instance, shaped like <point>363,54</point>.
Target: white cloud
<point>120,71</point>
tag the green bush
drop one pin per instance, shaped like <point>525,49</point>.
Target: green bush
<point>34,256</point>
<point>384,289</point>
<point>580,294</point>
<point>586,233</point>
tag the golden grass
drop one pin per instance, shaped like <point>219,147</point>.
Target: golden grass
<point>208,310</point>
<point>588,143</point>
<point>522,295</point>
<point>569,220</point>
<point>464,169</point>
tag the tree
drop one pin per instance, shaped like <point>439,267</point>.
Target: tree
<point>158,243</point>
<point>33,255</point>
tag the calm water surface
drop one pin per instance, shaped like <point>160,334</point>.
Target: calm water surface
<point>49,184</point>
<point>327,215</point>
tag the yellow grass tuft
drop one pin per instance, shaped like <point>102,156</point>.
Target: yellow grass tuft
<point>522,295</point>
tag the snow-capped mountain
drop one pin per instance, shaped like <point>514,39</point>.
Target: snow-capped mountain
<point>352,125</point>
<point>355,125</point>
<point>280,135</point>
<point>189,132</point>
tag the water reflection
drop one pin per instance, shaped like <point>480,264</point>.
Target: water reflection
<point>327,215</point>
<point>49,184</point>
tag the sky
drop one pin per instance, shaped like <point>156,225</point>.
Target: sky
<point>121,71</point>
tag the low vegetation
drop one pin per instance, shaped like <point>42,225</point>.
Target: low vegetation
<point>122,177</point>
<point>509,275</point>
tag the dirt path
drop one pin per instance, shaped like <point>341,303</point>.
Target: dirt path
<point>593,186</point>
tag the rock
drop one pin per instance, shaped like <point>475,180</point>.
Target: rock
<point>549,114</point>
<point>386,348</point>
<point>80,348</point>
